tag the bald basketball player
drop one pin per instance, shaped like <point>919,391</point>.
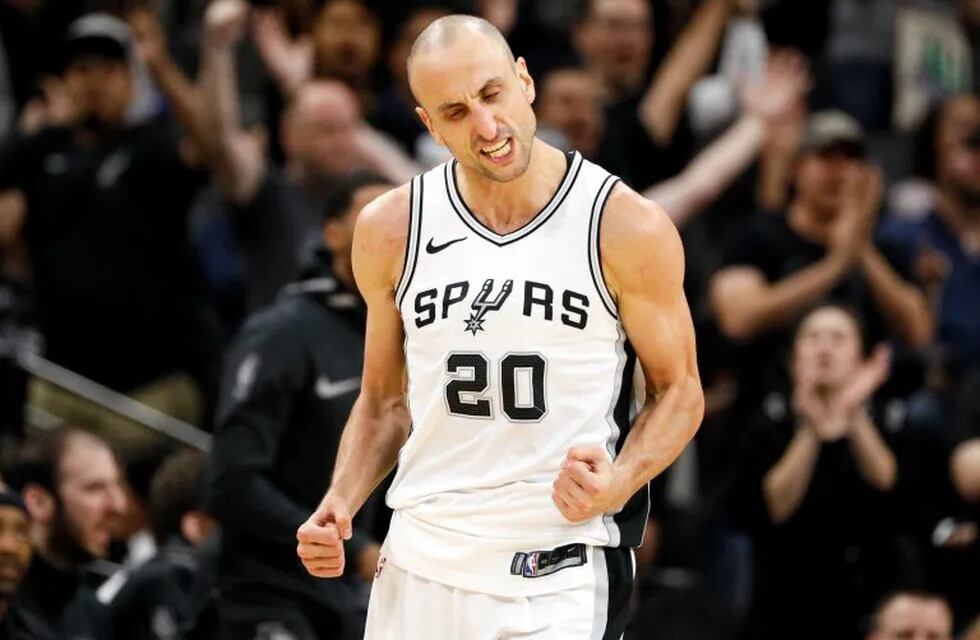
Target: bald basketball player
<point>510,294</point>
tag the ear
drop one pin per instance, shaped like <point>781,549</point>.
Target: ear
<point>40,503</point>
<point>424,117</point>
<point>527,82</point>
<point>196,526</point>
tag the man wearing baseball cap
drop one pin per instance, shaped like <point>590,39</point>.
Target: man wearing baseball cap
<point>105,222</point>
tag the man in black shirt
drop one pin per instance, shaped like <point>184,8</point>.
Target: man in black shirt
<point>290,379</point>
<point>70,482</point>
<point>821,249</point>
<point>114,281</point>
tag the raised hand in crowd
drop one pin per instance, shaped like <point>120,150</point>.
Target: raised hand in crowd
<point>850,234</point>
<point>835,414</point>
<point>53,108</point>
<point>288,59</point>
<point>765,102</point>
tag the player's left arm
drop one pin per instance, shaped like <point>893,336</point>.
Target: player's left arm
<point>643,266</point>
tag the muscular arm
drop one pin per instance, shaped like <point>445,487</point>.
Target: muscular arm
<point>785,485</point>
<point>746,304</point>
<point>661,107</point>
<point>379,422</point>
<point>648,287</point>
<point>903,307</point>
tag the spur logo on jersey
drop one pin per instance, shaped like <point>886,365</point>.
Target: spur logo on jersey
<point>483,304</point>
<point>538,300</point>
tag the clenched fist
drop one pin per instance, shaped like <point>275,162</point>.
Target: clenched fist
<point>321,539</point>
<point>585,485</point>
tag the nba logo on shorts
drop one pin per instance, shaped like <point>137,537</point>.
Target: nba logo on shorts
<point>531,565</point>
<point>381,566</point>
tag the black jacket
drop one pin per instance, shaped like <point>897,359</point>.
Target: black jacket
<point>164,598</point>
<point>289,381</point>
<point>52,604</point>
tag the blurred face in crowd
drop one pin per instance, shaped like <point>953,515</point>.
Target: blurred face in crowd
<point>956,161</point>
<point>909,617</point>
<point>963,175</point>
<point>90,501</point>
<point>100,89</point>
<point>571,102</point>
<point>338,233</point>
<point>15,549</point>
<point>476,100</point>
<point>615,40</point>
<point>414,25</point>
<point>828,346</point>
<point>320,128</point>
<point>347,40</point>
<point>822,178</point>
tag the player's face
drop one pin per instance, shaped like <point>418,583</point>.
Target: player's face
<point>476,102</point>
<point>908,618</point>
<point>91,500</point>
<point>15,549</point>
<point>828,347</point>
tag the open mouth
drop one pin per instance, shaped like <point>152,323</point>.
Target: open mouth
<point>499,151</point>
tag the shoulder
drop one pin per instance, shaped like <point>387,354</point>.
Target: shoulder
<point>638,241</point>
<point>381,236</point>
<point>386,217</point>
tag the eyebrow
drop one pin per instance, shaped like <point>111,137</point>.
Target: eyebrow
<point>492,82</point>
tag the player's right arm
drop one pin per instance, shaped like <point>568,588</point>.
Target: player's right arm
<point>379,422</point>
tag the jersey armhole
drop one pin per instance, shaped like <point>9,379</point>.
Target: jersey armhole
<point>414,233</point>
<point>595,252</point>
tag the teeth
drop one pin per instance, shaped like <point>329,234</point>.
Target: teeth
<point>501,150</point>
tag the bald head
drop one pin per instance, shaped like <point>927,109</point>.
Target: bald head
<point>446,31</point>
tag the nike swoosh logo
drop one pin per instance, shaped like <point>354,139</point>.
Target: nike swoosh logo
<point>326,388</point>
<point>436,248</point>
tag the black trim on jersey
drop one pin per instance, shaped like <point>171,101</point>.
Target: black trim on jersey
<point>595,219</point>
<point>633,517</point>
<point>619,572</point>
<point>574,159</point>
<point>414,232</point>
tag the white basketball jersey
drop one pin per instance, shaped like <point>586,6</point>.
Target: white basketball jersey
<point>515,354</point>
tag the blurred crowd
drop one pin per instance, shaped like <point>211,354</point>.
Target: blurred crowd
<point>179,181</point>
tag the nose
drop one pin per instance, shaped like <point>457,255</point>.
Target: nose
<point>485,123</point>
<point>116,505</point>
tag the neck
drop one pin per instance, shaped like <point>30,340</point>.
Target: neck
<point>505,206</point>
<point>808,223</point>
<point>42,547</point>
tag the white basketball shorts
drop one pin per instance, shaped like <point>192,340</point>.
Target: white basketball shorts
<point>405,606</point>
